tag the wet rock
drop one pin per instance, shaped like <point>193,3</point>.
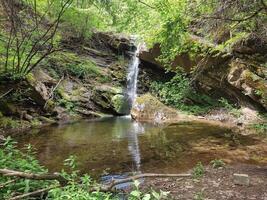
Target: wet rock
<point>62,115</point>
<point>117,42</point>
<point>110,99</point>
<point>90,113</point>
<point>28,117</point>
<point>241,179</point>
<point>46,120</point>
<point>120,104</point>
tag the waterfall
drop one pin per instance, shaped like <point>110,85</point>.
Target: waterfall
<point>132,78</point>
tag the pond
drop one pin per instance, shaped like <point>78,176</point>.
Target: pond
<point>120,145</point>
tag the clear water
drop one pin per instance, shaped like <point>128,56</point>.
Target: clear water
<point>120,145</point>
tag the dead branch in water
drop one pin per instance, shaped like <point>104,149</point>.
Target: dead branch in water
<point>147,175</point>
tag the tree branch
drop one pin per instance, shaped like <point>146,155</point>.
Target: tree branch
<point>236,20</point>
<point>3,95</point>
<point>144,3</point>
<point>35,193</point>
<point>7,183</point>
<point>32,176</point>
<point>147,175</point>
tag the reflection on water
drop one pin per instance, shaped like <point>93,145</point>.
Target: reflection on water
<point>119,145</point>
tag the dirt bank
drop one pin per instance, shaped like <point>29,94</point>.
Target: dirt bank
<point>216,184</point>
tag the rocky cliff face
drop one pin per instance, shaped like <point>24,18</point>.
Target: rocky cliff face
<point>238,75</point>
<point>86,79</point>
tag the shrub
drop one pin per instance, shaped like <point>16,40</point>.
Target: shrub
<point>198,171</point>
<point>179,94</point>
<point>12,158</point>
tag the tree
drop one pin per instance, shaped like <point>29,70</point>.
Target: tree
<point>31,38</point>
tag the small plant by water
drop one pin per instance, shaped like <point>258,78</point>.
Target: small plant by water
<point>198,171</point>
<point>228,106</point>
<point>199,196</point>
<point>136,194</point>
<point>217,163</point>
<point>261,128</point>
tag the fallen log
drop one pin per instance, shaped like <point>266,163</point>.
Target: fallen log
<point>32,176</point>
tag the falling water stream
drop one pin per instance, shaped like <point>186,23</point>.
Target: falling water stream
<point>131,93</point>
<point>132,78</point>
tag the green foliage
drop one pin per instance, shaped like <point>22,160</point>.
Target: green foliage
<point>261,128</point>
<point>179,94</point>
<point>23,162</point>
<point>136,194</point>
<point>198,171</point>
<point>217,163</point>
<point>227,45</point>
<point>82,70</point>
<point>232,110</point>
<point>35,123</point>
<point>199,196</point>
<point>69,105</point>
<point>8,122</point>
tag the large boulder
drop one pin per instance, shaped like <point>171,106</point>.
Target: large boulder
<point>149,108</point>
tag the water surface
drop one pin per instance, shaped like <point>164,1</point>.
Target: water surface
<point>120,145</point>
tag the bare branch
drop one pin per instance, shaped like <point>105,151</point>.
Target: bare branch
<point>139,176</point>
<point>236,20</point>
<point>32,176</point>
<point>146,4</point>
<point>3,95</point>
<point>35,193</point>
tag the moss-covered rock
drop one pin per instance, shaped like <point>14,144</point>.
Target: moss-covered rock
<point>149,108</point>
<point>110,100</point>
<point>120,104</point>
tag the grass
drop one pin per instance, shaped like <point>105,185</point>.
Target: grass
<point>261,128</point>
